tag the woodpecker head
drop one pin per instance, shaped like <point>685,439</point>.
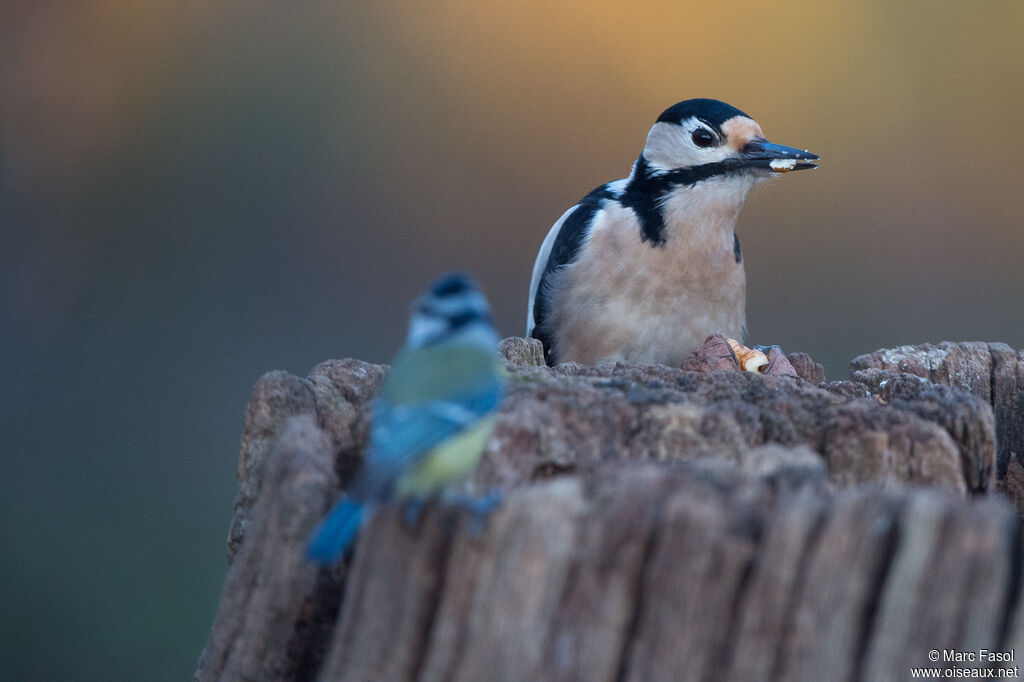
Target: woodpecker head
<point>709,139</point>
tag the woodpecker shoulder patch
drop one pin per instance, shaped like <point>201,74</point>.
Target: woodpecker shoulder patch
<point>647,189</point>
<point>736,248</point>
<point>567,245</point>
<point>643,194</point>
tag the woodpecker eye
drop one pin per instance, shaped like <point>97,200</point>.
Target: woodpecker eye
<point>702,138</point>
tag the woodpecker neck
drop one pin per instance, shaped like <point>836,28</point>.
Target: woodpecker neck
<point>698,203</point>
<point>702,218</point>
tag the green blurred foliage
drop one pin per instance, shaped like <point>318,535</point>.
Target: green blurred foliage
<point>194,193</point>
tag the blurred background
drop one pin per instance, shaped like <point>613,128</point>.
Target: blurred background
<point>193,193</point>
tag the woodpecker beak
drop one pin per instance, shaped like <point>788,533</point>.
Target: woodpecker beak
<point>775,157</point>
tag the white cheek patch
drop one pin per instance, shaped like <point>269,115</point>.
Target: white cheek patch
<point>782,165</point>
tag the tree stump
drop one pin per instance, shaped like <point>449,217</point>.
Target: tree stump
<point>657,524</point>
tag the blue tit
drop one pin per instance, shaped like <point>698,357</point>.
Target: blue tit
<point>433,414</point>
<point>643,269</point>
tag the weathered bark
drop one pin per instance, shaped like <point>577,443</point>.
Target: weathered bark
<point>697,526</point>
<point>276,607</point>
<point>276,397</point>
<point>967,418</point>
<point>806,368</point>
<point>993,372</point>
<point>573,416</point>
<point>335,394</point>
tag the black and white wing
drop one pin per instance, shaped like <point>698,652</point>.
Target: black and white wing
<point>559,249</point>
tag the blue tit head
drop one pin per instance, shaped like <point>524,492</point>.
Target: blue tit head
<point>452,312</point>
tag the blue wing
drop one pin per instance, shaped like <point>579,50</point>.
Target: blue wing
<point>399,436</point>
<point>402,434</point>
<point>336,532</point>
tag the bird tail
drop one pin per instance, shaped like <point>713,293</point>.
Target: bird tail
<point>336,532</point>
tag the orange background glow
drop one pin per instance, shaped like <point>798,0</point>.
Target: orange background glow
<point>194,193</point>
